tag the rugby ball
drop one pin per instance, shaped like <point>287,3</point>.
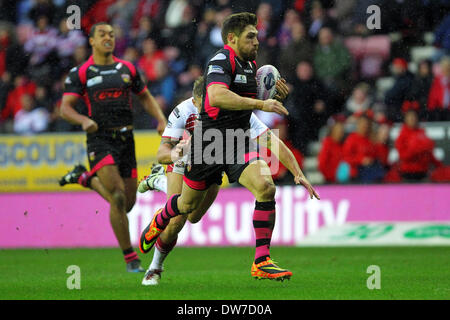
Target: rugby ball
<point>266,77</point>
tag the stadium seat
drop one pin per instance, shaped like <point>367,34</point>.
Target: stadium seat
<point>378,45</point>
<point>356,46</point>
<point>421,53</point>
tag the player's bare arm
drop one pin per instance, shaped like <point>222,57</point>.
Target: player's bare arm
<point>171,150</point>
<point>164,154</point>
<point>221,97</point>
<point>69,114</point>
<point>153,108</point>
<point>285,155</point>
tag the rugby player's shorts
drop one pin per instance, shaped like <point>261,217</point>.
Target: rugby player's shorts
<point>201,176</point>
<point>112,148</point>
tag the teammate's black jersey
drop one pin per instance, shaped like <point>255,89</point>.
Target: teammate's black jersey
<point>106,90</point>
<point>240,77</point>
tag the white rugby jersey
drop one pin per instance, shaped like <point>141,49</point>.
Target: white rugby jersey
<point>183,118</point>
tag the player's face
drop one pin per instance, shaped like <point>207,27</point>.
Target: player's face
<point>248,43</point>
<point>103,40</point>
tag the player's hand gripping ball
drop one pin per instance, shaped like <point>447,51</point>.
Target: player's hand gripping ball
<point>266,78</point>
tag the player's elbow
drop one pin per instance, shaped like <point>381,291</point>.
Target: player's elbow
<point>163,156</point>
<point>215,92</point>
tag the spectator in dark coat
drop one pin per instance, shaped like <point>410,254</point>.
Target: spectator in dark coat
<point>299,49</point>
<point>307,105</point>
<point>421,87</point>
<point>395,96</point>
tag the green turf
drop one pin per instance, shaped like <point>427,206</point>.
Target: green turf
<point>224,273</point>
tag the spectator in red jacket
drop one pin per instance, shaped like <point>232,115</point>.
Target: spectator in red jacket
<point>439,97</point>
<point>22,86</point>
<point>415,149</point>
<point>360,153</point>
<point>330,154</point>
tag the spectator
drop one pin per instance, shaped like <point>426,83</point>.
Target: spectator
<point>66,44</point>
<point>149,9</point>
<point>151,55</point>
<point>332,62</point>
<point>308,107</point>
<point>203,46</point>
<point>42,8</point>
<point>30,120</point>
<point>163,87</point>
<point>12,56</point>
<point>285,33</point>
<point>299,49</point>
<point>146,29</point>
<point>121,40</point>
<point>360,153</point>
<point>415,149</point>
<point>22,86</point>
<point>266,34</point>
<point>420,89</point>
<point>121,13</point>
<point>330,155</point>
<point>360,100</point>
<point>319,20</point>
<point>395,96</point>
<point>381,142</point>
<point>439,97</point>
<point>41,45</point>
<point>343,12</point>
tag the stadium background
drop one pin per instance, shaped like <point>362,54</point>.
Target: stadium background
<point>170,41</point>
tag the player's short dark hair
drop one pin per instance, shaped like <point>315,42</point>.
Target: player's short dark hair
<point>92,31</point>
<point>236,23</point>
<point>197,91</point>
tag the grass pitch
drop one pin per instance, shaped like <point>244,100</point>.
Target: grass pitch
<point>224,273</point>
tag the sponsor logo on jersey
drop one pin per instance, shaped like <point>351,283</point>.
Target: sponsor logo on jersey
<point>240,78</point>
<point>108,95</point>
<point>92,156</point>
<point>93,81</point>
<point>215,69</point>
<point>248,71</point>
<point>68,81</point>
<point>119,66</point>
<point>73,69</point>
<point>93,68</point>
<point>219,56</point>
<point>125,77</point>
<point>176,112</point>
<point>109,71</point>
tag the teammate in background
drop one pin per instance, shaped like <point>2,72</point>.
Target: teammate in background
<point>106,83</point>
<point>183,118</point>
<point>228,101</point>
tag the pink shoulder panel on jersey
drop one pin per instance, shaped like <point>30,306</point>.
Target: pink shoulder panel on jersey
<point>83,70</point>
<point>232,56</point>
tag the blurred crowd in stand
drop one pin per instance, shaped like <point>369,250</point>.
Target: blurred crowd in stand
<point>333,63</point>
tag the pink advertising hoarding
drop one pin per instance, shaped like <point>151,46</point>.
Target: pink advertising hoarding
<point>81,219</point>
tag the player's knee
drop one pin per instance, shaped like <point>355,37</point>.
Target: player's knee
<point>194,218</point>
<point>187,207</point>
<point>267,191</point>
<point>119,199</point>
